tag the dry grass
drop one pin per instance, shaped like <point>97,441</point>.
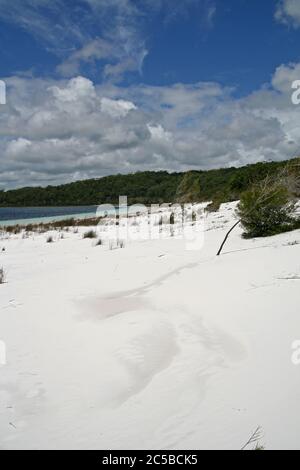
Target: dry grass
<point>55,225</point>
<point>2,276</point>
<point>254,441</point>
<point>90,234</point>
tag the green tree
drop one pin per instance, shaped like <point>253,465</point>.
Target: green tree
<point>189,189</point>
<point>266,209</point>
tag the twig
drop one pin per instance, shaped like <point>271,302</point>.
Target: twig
<point>256,436</point>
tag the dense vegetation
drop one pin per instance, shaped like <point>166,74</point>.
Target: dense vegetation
<point>226,184</point>
<point>268,208</point>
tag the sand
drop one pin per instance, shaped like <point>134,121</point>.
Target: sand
<point>152,346</point>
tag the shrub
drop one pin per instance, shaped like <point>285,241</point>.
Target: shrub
<point>189,189</point>
<point>214,206</point>
<point>267,209</point>
<point>50,239</point>
<point>121,243</point>
<point>2,276</point>
<point>90,234</point>
<point>13,229</point>
<point>99,242</point>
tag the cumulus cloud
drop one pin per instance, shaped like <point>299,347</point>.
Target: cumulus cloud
<point>116,108</point>
<point>61,129</point>
<point>284,77</point>
<point>56,131</point>
<point>288,12</point>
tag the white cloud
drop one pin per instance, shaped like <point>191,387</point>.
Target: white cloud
<point>17,147</point>
<point>116,108</point>
<point>77,88</point>
<point>93,31</point>
<point>288,12</point>
<point>211,13</point>
<point>284,77</point>
<point>158,133</point>
<point>93,50</point>
<point>106,34</point>
<point>48,21</point>
<point>55,131</point>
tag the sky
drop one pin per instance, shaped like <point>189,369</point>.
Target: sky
<point>98,87</point>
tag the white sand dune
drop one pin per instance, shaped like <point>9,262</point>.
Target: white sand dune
<point>151,346</point>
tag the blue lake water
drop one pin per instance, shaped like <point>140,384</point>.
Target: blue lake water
<point>27,215</point>
<point>23,215</point>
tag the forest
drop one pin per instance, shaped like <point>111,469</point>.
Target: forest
<point>219,185</point>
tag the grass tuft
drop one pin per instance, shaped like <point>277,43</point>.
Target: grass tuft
<point>2,276</point>
<point>90,234</point>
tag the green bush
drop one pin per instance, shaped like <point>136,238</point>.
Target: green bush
<point>2,276</point>
<point>214,206</point>
<point>267,209</point>
<point>189,189</point>
<point>90,234</point>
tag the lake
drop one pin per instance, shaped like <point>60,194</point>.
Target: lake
<point>32,215</point>
<point>26,215</point>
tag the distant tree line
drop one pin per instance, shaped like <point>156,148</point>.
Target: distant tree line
<point>222,185</point>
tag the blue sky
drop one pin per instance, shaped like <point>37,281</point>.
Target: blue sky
<point>235,42</point>
<point>240,48</point>
<point>166,79</point>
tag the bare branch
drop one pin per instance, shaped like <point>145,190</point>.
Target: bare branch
<point>254,439</point>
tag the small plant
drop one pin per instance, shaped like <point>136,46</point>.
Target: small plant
<point>255,440</point>
<point>121,244</point>
<point>266,210</point>
<point>90,234</point>
<point>99,242</point>
<point>213,206</point>
<point>293,243</point>
<point>2,276</point>
<point>50,239</point>
<point>14,229</point>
